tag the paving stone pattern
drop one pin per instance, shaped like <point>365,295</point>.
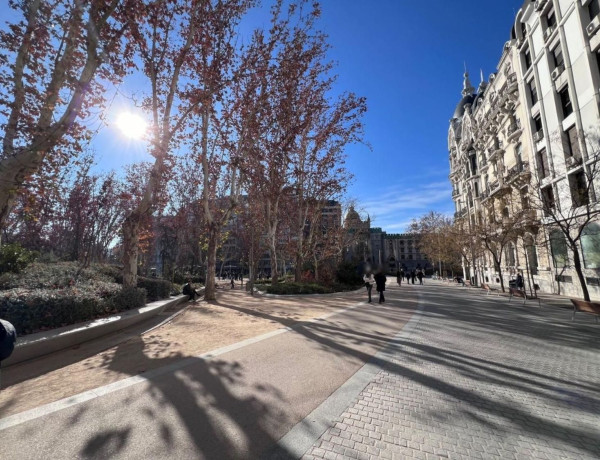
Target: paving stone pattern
<point>478,378</point>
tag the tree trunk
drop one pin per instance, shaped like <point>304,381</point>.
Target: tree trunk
<point>131,236</point>
<point>578,269</point>
<point>316,263</point>
<point>273,254</point>
<point>298,272</point>
<point>500,274</point>
<point>211,264</point>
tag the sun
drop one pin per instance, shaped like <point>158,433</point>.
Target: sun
<point>132,125</point>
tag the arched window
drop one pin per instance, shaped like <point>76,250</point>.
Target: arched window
<point>558,246</point>
<point>590,246</point>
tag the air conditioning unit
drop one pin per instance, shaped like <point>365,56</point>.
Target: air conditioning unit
<point>572,161</point>
<point>593,26</point>
<point>538,136</point>
<point>548,32</point>
<point>557,72</point>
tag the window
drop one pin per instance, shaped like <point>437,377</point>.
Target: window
<point>557,56</point>
<point>473,164</point>
<point>527,59</point>
<point>476,189</point>
<point>548,198</point>
<point>590,245</point>
<point>533,92</point>
<point>509,253</point>
<point>524,198</point>
<point>594,8</point>
<point>542,164</point>
<point>551,19</point>
<point>579,191</point>
<point>539,129</point>
<point>531,253</point>
<point>565,102</point>
<point>572,143</point>
<point>558,247</point>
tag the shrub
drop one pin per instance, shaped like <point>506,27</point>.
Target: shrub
<point>156,288</point>
<point>14,258</point>
<point>347,273</point>
<point>296,288</point>
<point>128,298</point>
<point>39,309</point>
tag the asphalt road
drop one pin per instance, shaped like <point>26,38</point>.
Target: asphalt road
<point>235,405</point>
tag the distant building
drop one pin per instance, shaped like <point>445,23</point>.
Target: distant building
<point>397,251</point>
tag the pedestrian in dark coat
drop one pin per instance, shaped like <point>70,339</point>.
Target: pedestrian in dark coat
<point>399,276</point>
<point>519,281</point>
<point>420,276</point>
<point>413,275</point>
<point>380,280</point>
<point>189,290</point>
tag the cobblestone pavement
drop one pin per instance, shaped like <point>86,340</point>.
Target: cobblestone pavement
<point>478,378</point>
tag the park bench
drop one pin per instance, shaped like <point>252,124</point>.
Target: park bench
<point>488,288</point>
<point>585,307</point>
<point>514,292</point>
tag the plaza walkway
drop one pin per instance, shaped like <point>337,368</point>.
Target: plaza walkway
<point>472,376</point>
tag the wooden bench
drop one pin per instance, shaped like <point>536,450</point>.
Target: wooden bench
<point>514,292</point>
<point>488,288</point>
<point>585,307</point>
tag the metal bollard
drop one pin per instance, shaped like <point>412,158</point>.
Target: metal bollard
<point>8,337</point>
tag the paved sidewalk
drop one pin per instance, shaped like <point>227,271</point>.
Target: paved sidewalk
<point>478,378</point>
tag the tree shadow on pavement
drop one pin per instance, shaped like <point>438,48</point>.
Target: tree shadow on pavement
<point>222,417</point>
<point>494,393</point>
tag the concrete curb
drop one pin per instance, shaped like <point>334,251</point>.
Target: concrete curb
<point>46,342</point>
<point>307,432</point>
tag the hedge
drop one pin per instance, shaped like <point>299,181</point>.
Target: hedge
<point>156,288</point>
<point>40,309</point>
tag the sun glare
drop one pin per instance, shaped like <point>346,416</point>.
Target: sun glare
<point>131,125</point>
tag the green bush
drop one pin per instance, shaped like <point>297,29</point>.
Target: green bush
<point>127,298</point>
<point>14,258</point>
<point>347,273</point>
<point>156,288</point>
<point>40,309</point>
<point>296,288</point>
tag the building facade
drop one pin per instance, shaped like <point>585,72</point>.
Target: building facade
<point>529,134</point>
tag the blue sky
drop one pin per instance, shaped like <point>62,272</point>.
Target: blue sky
<point>406,57</point>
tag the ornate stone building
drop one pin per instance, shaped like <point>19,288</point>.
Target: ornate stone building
<point>527,134</point>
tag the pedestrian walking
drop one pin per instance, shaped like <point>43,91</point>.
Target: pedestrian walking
<point>232,283</point>
<point>380,280</point>
<point>420,276</point>
<point>399,276</point>
<point>413,275</point>
<point>369,282</point>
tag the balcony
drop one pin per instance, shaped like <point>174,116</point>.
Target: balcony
<point>455,193</point>
<point>514,131</point>
<point>498,189</point>
<point>519,173</point>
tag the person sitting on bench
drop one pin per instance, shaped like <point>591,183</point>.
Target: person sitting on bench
<point>189,290</point>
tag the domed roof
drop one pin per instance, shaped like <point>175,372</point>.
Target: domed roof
<point>460,108</point>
